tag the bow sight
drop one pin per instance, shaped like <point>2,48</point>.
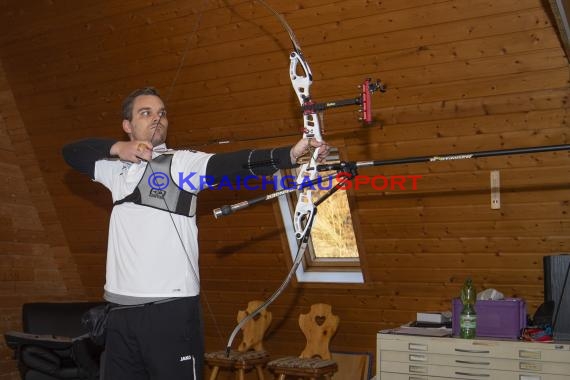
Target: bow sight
<point>368,87</point>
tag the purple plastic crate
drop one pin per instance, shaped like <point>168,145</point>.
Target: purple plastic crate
<point>498,319</point>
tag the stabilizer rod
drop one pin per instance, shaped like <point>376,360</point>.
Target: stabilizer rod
<point>447,157</point>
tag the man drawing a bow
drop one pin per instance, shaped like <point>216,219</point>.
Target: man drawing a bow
<point>152,255</point>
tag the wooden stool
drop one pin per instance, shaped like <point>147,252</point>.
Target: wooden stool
<point>250,353</point>
<point>319,326</point>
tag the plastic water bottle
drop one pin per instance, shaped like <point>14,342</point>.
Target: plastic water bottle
<point>468,317</point>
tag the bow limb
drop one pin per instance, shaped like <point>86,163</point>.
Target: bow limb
<point>277,293</point>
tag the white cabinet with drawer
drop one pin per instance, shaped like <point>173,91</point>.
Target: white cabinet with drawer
<point>413,357</point>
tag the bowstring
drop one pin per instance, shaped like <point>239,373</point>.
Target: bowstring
<point>194,270</point>
<point>297,48</point>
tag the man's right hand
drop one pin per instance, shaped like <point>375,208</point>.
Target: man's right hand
<point>132,151</point>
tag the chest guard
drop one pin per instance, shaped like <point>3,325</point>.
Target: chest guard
<point>156,189</point>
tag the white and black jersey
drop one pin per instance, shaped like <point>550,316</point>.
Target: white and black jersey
<point>147,258</point>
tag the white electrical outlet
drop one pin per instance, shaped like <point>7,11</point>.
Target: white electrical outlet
<point>495,190</point>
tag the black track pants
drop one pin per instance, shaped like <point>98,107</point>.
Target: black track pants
<point>157,341</point>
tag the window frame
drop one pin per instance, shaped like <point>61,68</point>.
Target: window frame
<point>319,270</point>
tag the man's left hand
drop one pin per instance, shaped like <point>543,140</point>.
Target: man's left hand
<point>307,145</point>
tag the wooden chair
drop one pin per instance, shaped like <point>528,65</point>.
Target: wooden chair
<point>319,326</point>
<point>250,353</point>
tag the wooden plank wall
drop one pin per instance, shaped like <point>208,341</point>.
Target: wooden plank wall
<point>35,261</point>
<point>462,75</point>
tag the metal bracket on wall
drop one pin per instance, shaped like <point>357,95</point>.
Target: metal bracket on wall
<point>495,190</point>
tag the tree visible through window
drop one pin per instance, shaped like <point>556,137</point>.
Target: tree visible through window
<point>333,248</point>
<point>333,231</point>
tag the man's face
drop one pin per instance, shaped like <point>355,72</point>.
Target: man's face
<point>149,122</point>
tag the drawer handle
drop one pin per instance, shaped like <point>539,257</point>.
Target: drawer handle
<point>417,358</point>
<point>417,347</point>
<point>418,378</point>
<point>527,354</point>
<point>473,351</point>
<point>417,369</point>
<point>473,374</point>
<point>530,366</point>
<point>470,362</point>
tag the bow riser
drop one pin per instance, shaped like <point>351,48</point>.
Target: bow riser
<point>301,83</point>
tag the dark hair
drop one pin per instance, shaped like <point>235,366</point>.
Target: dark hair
<point>130,99</point>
